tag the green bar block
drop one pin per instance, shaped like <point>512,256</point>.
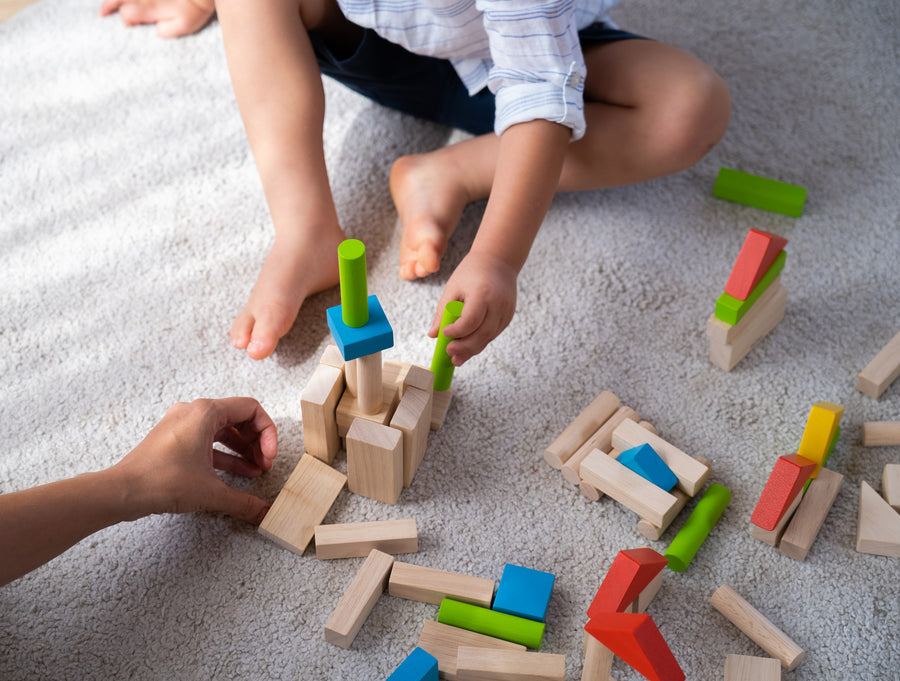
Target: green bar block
<point>491,623</point>
<point>698,526</point>
<point>441,364</point>
<point>354,290</point>
<point>760,192</point>
<point>731,310</point>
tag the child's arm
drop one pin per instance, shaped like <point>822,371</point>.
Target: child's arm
<point>528,168</point>
<point>171,471</point>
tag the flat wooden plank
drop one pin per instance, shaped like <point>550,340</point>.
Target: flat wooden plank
<point>578,431</point>
<point>484,664</point>
<point>353,540</point>
<point>430,585</point>
<point>804,527</point>
<point>359,599</point>
<point>880,433</point>
<point>749,668</point>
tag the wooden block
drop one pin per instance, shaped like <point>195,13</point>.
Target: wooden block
<point>443,641</point>
<point>369,383</point>
<point>890,485</point>
<point>757,627</point>
<point>881,371</point>
<point>332,357</point>
<point>601,440</point>
<point>879,525</point>
<point>302,504</point>
<point>524,592</point>
<point>375,461</point>
<point>419,377</point>
<point>756,256</point>
<point>631,572</point>
<point>483,664</point>
<point>413,418</point>
<point>691,473</point>
<point>819,433</point>
<point>772,537</point>
<point>394,372</point>
<point>352,540</point>
<point>429,585</point>
<point>598,660</point>
<point>636,639</point>
<point>440,406</point>
<point>629,488</point>
<point>585,424</point>
<point>747,668</point>
<point>418,666</point>
<point>349,408</point>
<point>880,433</point>
<point>786,481</point>
<point>642,602</point>
<point>359,599</point>
<point>753,327</point>
<point>804,527</point>
<point>318,403</point>
<point>654,532</point>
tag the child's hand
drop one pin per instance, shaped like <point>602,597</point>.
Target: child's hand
<point>486,285</point>
<point>173,469</point>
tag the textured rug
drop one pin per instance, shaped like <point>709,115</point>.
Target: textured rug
<point>132,227</point>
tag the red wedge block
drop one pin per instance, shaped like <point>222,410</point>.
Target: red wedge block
<point>754,259</point>
<point>636,640</point>
<point>630,573</point>
<point>785,481</point>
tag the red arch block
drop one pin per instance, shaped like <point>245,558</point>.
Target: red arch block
<point>636,640</point>
<point>630,573</point>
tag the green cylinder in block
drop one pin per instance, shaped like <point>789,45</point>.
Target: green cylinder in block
<point>354,290</point>
<point>697,527</point>
<point>441,364</point>
<point>491,623</point>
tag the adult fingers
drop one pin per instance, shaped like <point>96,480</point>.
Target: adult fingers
<point>241,505</point>
<point>235,464</point>
<point>250,418</point>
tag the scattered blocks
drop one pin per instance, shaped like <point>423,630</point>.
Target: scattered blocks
<point>760,192</point>
<point>429,585</point>
<point>881,371</point>
<point>754,259</point>
<point>351,540</point>
<point>585,424</point>
<point>819,433</point>
<point>748,668</point>
<point>443,642</point>
<point>644,461</point>
<point>418,666</point>
<point>880,433</point>
<point>772,537</point>
<point>630,573</point>
<point>636,639</point>
<point>879,525</point>
<point>359,599</point>
<point>524,592</point>
<point>785,482</point>
<point>697,527</point>
<point>375,461</point>
<point>731,310</point>
<point>491,623</point>
<point>302,504</point>
<point>483,664</point>
<point>757,627</point>
<point>804,527</point>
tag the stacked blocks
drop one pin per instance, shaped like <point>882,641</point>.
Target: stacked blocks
<point>753,303</point>
<point>760,192</point>
<point>644,461</point>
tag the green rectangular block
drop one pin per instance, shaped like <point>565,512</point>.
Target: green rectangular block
<point>730,310</point>
<point>491,623</point>
<point>760,192</point>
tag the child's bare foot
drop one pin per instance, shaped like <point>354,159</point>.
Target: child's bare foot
<point>430,201</point>
<point>173,18</point>
<point>291,273</point>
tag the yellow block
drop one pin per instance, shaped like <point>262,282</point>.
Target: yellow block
<point>821,426</point>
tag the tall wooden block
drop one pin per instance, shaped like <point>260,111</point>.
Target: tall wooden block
<point>890,485</point>
<point>756,256</point>
<point>881,371</point>
<point>413,418</point>
<point>443,641</point>
<point>729,344</point>
<point>691,473</point>
<point>879,525</point>
<point>786,481</point>
<point>429,585</point>
<point>302,504</point>
<point>585,424</point>
<point>350,540</point>
<point>804,527</point>
<point>601,440</point>
<point>440,406</point>
<point>818,435</point>
<point>418,377</point>
<point>359,599</point>
<point>747,668</point>
<point>318,403</point>
<point>375,461</point>
<point>483,664</point>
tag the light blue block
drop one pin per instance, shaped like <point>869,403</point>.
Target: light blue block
<point>419,666</point>
<point>644,461</point>
<point>524,592</point>
<point>375,336</point>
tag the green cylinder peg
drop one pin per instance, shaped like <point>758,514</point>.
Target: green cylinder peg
<point>491,623</point>
<point>698,526</point>
<point>354,290</point>
<point>441,364</point>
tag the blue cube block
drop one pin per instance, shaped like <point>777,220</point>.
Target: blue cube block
<point>353,342</point>
<point>419,666</point>
<point>644,461</point>
<point>524,592</point>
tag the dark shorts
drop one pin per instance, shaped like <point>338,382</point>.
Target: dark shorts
<point>426,87</point>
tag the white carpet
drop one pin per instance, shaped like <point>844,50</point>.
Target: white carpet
<point>132,227</point>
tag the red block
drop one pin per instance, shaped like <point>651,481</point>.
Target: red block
<point>755,258</point>
<point>630,573</point>
<point>636,640</point>
<point>784,484</point>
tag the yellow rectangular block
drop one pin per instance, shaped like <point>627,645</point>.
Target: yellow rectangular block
<point>821,426</point>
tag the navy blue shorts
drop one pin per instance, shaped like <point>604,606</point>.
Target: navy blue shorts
<point>422,86</point>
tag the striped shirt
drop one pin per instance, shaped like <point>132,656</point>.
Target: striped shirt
<point>526,51</point>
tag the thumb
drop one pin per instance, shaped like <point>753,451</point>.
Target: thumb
<point>243,506</point>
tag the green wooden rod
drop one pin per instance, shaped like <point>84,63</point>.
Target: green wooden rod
<point>441,364</point>
<point>354,290</point>
<point>698,526</point>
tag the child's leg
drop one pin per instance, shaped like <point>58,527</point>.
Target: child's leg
<point>173,18</point>
<point>279,92</point>
<point>651,110</point>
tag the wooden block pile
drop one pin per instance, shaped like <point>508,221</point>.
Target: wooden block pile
<point>587,453</point>
<point>754,300</point>
<point>800,490</point>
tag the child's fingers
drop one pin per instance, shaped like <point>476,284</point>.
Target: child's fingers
<point>110,6</point>
<point>473,318</point>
